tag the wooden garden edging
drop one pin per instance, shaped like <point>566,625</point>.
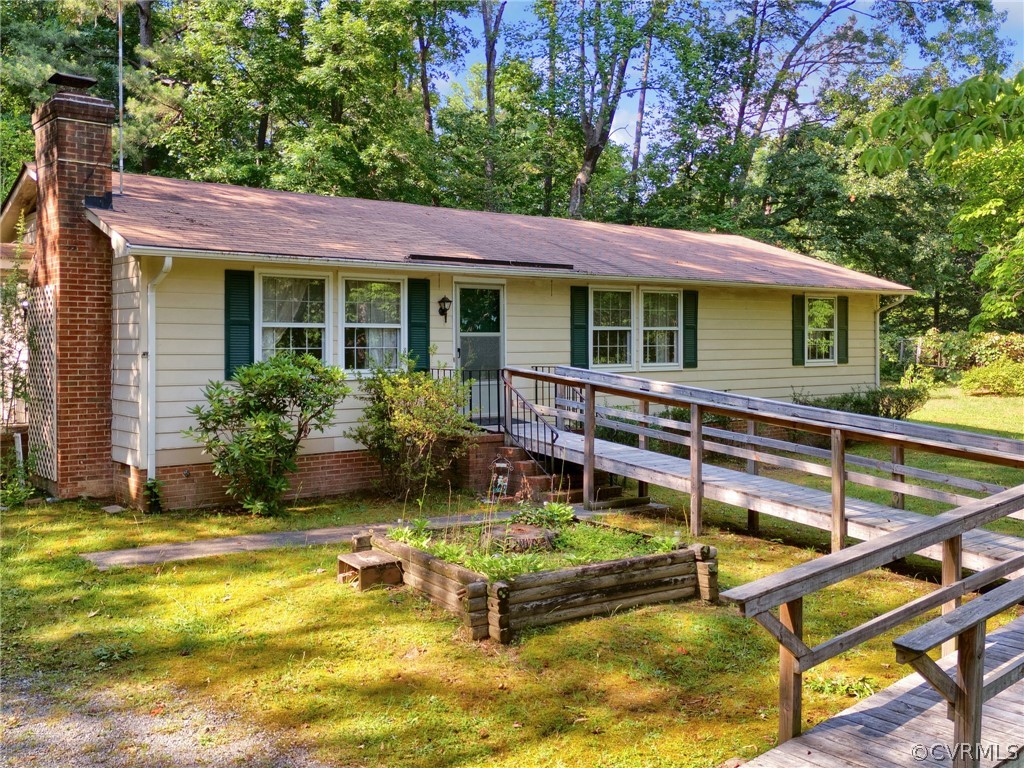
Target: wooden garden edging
<point>499,609</point>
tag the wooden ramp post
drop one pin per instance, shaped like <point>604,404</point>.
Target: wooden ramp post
<point>838,490</point>
<point>790,679</point>
<point>753,516</point>
<point>696,465</point>
<point>589,425</point>
<point>641,486</point>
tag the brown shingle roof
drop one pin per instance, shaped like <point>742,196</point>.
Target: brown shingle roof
<point>194,216</point>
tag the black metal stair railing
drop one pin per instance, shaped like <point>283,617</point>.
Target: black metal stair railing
<point>526,426</point>
<point>485,406</point>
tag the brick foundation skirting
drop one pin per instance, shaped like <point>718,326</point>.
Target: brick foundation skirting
<point>194,486</point>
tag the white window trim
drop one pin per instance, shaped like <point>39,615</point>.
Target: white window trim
<point>832,361</point>
<point>403,315</point>
<point>678,364</point>
<point>328,310</point>
<point>631,365</point>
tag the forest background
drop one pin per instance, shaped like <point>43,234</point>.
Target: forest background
<point>742,116</point>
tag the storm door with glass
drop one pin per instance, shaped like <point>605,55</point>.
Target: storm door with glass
<point>479,345</point>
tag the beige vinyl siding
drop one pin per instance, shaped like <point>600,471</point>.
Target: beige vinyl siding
<point>743,337</point>
<point>126,376</point>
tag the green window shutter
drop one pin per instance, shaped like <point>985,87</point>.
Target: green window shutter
<point>419,322</point>
<point>799,341</point>
<point>689,329</point>
<point>579,326</point>
<point>843,329</point>
<point>239,320</point>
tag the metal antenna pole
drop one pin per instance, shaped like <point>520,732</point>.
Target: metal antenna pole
<point>120,96</point>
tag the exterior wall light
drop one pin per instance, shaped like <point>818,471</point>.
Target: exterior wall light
<point>443,305</point>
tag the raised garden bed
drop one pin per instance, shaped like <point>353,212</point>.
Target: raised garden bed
<point>497,608</point>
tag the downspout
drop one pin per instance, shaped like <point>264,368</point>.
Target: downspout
<point>878,335</point>
<point>151,367</point>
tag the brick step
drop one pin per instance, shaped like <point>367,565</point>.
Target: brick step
<point>513,453</point>
<point>535,484</point>
<point>528,467</point>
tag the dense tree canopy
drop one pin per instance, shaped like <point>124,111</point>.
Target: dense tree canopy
<point>725,115</point>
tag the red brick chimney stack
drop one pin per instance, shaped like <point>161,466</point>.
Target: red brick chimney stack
<point>73,162</point>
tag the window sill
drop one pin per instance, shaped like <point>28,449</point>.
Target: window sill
<point>820,364</point>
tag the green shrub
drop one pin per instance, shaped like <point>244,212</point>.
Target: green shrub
<point>16,480</point>
<point>918,376</point>
<point>1003,377</point>
<point>252,429</point>
<point>886,402</point>
<point>554,514</point>
<point>414,424</point>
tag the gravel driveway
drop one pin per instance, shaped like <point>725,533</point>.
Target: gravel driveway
<point>39,728</point>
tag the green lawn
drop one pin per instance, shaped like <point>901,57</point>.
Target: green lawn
<point>384,678</point>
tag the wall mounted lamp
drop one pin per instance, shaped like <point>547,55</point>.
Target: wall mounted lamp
<point>443,305</point>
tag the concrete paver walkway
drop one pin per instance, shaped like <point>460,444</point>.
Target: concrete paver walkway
<point>227,545</point>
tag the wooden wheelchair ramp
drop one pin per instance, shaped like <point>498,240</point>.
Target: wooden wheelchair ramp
<point>865,520</point>
<point>905,726</point>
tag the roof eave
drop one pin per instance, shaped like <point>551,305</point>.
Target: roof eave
<point>17,199</point>
<point>462,267</point>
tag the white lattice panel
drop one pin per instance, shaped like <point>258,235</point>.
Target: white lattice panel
<point>42,375</point>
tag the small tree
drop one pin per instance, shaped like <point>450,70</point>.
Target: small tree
<point>253,429</point>
<point>415,425</point>
<point>14,338</point>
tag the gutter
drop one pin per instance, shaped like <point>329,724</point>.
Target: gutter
<point>151,366</point>
<point>878,333</point>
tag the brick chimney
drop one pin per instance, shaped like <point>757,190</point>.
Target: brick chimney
<point>72,283</point>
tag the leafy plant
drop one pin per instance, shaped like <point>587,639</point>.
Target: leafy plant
<point>152,494</point>
<point>1003,377</point>
<point>253,428</point>
<point>15,480</point>
<point>553,514</point>
<point>918,376</point>
<point>414,424</point>
<point>502,566</point>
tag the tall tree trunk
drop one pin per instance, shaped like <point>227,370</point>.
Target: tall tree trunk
<point>634,171</point>
<point>145,30</point>
<point>549,150</point>
<point>424,47</point>
<point>261,132</point>
<point>492,23</point>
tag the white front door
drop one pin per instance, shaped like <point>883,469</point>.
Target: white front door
<point>480,345</point>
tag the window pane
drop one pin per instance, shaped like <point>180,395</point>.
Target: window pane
<point>369,347</point>
<point>611,348</point>
<point>661,310</point>
<point>479,310</point>
<point>821,313</point>
<point>820,345</point>
<point>371,302</point>
<point>297,340</point>
<point>293,300</point>
<point>660,347</point>
<point>612,309</point>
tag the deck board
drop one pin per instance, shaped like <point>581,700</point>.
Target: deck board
<point>809,506</point>
<point>882,730</point>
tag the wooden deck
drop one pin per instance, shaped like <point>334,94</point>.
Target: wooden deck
<point>886,729</point>
<point>809,506</point>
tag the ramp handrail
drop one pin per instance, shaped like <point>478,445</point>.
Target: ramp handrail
<point>787,589</point>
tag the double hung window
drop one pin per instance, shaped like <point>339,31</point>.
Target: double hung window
<point>293,316</point>
<point>373,323</point>
<point>821,330</point>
